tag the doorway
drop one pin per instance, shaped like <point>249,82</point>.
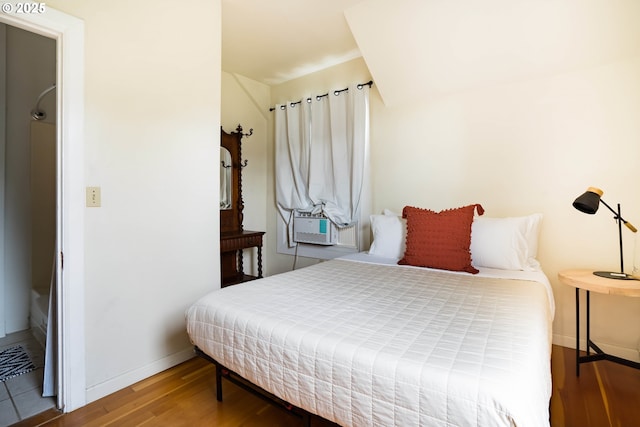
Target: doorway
<point>68,295</point>
<point>29,217</point>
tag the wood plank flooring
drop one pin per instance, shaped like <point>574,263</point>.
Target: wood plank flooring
<point>605,394</point>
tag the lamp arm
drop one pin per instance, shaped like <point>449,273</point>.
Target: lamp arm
<point>618,216</point>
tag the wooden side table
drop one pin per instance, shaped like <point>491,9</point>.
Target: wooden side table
<point>586,280</point>
<point>231,246</point>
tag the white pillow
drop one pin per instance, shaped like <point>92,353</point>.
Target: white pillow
<point>389,236</point>
<point>505,243</point>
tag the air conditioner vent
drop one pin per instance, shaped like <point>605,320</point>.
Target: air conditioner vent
<point>314,229</point>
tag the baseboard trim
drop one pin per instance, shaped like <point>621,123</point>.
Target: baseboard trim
<point>624,352</point>
<point>101,390</point>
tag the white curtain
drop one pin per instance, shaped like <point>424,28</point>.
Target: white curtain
<point>292,161</point>
<point>321,151</point>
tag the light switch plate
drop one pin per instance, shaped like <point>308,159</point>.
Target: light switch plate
<point>94,198</point>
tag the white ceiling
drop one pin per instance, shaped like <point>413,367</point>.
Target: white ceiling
<point>272,41</point>
<point>435,47</point>
<point>423,48</point>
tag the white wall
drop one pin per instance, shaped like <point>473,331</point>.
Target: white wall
<point>246,102</point>
<point>152,108</point>
<point>518,148</point>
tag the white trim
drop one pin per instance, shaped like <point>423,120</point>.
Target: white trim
<point>3,159</point>
<point>624,352</point>
<point>69,35</point>
<point>120,382</point>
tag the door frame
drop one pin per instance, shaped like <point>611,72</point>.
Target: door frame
<point>68,32</point>
<point>3,114</point>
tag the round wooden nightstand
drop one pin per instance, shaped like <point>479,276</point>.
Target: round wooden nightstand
<point>589,282</point>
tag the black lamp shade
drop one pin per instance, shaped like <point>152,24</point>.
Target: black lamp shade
<point>589,201</point>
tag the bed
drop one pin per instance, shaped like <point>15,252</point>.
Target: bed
<point>364,341</point>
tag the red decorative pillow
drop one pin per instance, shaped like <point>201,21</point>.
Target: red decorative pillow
<point>440,239</point>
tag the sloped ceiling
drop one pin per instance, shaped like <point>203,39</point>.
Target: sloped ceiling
<point>424,48</point>
<point>273,41</point>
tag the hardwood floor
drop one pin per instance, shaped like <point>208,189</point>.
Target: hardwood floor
<point>605,394</point>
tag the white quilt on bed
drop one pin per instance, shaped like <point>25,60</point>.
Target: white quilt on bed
<point>377,345</point>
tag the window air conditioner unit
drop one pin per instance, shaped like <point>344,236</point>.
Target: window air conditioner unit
<point>315,229</point>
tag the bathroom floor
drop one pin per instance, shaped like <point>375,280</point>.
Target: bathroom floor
<point>21,396</point>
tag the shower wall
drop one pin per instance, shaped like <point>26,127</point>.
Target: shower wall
<point>43,204</point>
<point>30,68</point>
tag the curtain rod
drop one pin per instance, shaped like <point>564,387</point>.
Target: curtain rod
<point>318,97</point>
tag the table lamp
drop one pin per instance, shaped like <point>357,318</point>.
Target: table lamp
<point>589,203</point>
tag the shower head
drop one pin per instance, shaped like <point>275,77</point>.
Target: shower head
<point>36,113</point>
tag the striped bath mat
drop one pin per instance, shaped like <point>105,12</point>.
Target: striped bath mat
<point>14,361</point>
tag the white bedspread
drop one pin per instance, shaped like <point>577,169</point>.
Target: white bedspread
<point>367,344</point>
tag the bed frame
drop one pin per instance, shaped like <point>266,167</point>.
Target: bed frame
<point>223,372</point>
